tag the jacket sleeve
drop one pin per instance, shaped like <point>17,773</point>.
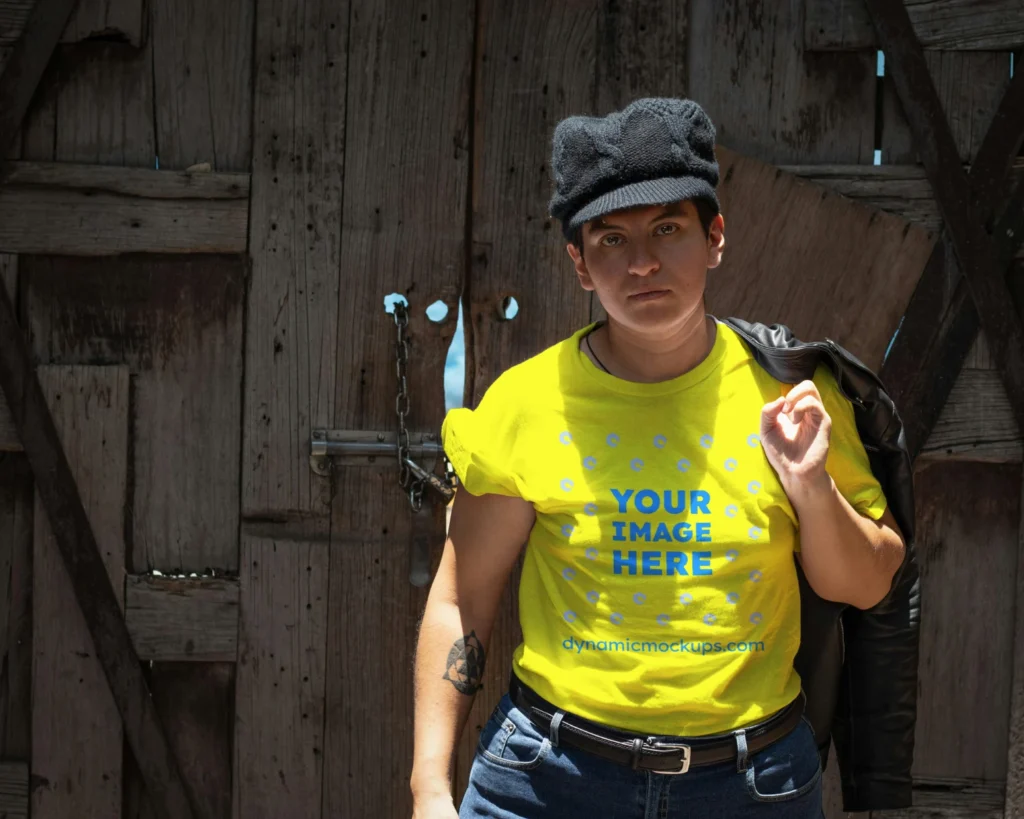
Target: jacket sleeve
<point>877,707</point>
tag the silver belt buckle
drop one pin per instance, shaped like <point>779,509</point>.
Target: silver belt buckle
<point>685,749</point>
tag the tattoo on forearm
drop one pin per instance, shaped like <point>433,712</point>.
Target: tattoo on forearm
<point>466,664</point>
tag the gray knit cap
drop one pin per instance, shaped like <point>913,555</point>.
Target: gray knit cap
<point>654,151</point>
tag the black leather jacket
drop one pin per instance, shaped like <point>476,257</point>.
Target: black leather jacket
<point>858,668</point>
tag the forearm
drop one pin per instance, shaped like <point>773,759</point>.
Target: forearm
<point>846,556</point>
<point>449,668</point>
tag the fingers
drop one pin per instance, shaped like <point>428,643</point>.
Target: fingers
<point>770,413</point>
<point>804,388</point>
<point>809,406</point>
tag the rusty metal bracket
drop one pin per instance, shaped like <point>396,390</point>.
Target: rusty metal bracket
<point>963,217</point>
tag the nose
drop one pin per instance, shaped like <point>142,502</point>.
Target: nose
<point>642,262</point>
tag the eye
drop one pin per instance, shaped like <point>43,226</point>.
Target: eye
<point>666,229</point>
<point>611,240</point>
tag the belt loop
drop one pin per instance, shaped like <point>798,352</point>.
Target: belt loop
<point>637,745</point>
<point>556,721</point>
<point>741,750</point>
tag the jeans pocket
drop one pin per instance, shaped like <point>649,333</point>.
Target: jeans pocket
<point>511,741</point>
<point>787,769</point>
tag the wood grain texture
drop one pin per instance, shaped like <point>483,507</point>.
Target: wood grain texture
<point>844,253</point>
<point>196,702</point>
<point>112,19</point>
<point>26,63</point>
<point>953,25</point>
<point>371,645</point>
<point>970,86</point>
<point>86,210</point>
<point>135,183</point>
<point>771,100</point>
<point>977,422</point>
<point>104,105</point>
<point>1014,805</point>
<point>279,711</point>
<point>34,220</point>
<point>182,619</point>
<point>968,524</point>
<point>177,323</point>
<point>14,779</point>
<point>407,165</point>
<point>900,189</point>
<point>77,743</point>
<point>8,279</point>
<point>202,81</point>
<point>292,315</point>
<point>16,522</point>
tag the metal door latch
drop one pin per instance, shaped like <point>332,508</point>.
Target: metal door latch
<point>359,447</point>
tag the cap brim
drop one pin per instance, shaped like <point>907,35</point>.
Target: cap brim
<point>640,194</point>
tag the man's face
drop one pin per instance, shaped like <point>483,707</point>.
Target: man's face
<point>648,265</point>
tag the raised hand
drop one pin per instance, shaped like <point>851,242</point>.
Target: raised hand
<point>795,435</point>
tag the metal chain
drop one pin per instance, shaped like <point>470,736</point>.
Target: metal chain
<point>405,478</point>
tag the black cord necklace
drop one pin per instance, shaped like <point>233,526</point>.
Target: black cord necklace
<point>598,360</point>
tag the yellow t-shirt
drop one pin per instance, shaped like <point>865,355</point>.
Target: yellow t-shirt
<point>659,592</point>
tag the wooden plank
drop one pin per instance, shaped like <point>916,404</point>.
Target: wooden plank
<point>15,607</point>
<point>14,777</point>
<point>60,496</point>
<point>407,166</point>
<point>970,86</point>
<point>899,189</point>
<point>110,19</point>
<point>25,64</point>
<point>845,255</point>
<point>1014,806</point>
<point>967,637</point>
<point>135,183</point>
<point>196,702</point>
<point>177,323</point>
<point>202,79</point>
<point>292,315</point>
<point>771,100</point>
<point>86,211</point>
<point>279,727</point>
<point>77,741</point>
<point>976,423</point>
<point>182,619</point>
<point>104,106</point>
<point>979,257</point>
<point>953,25</point>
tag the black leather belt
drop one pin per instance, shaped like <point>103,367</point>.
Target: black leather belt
<point>667,755</point>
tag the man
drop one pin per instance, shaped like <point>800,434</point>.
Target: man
<point>663,481</point>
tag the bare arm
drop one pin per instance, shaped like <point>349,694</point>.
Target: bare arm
<point>846,556</point>
<point>485,536</point>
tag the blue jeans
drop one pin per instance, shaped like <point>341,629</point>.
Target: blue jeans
<point>519,774</point>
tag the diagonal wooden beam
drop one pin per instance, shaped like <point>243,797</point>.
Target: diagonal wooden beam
<point>26,65</point>
<point>53,478</point>
<point>963,219</point>
<point>937,333</point>
<point>77,543</point>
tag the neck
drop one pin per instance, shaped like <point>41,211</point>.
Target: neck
<point>637,356</point>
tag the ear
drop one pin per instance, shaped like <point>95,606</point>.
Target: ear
<point>716,241</point>
<point>582,273</point>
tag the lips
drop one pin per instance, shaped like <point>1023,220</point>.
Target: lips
<point>648,295</point>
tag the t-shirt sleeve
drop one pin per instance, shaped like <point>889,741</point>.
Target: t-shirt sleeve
<point>847,461</point>
<point>480,443</point>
